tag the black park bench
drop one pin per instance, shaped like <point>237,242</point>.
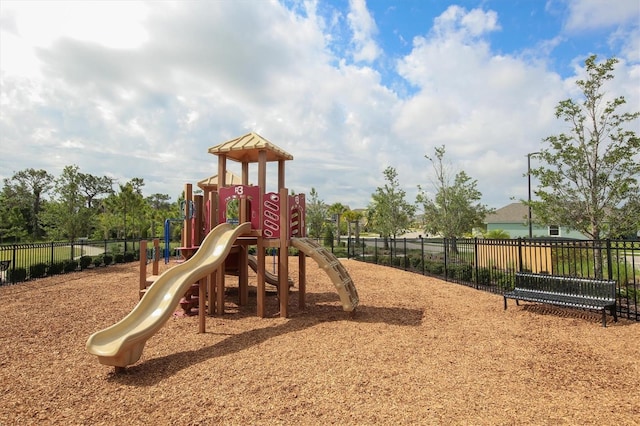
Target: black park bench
<point>585,293</point>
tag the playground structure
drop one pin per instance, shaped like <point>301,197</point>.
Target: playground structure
<point>212,248</point>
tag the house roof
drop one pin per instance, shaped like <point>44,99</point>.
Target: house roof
<point>246,148</point>
<point>511,213</point>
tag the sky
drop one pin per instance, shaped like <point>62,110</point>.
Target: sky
<point>137,89</point>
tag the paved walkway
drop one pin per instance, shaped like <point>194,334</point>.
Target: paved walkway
<point>90,251</point>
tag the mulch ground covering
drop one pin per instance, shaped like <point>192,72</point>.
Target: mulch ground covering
<point>418,351</point>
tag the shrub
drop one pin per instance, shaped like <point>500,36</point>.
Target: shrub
<point>55,268</point>
<point>293,251</point>
<point>384,260</point>
<point>630,293</point>
<point>119,258</point>
<point>484,276</point>
<point>69,266</point>
<point>461,272</point>
<point>328,237</point>
<point>97,261</point>
<point>17,275</point>
<point>340,252</point>
<point>505,282</point>
<point>107,259</point>
<point>129,256</point>
<point>85,261</point>
<point>435,268</point>
<point>38,270</point>
<point>416,262</point>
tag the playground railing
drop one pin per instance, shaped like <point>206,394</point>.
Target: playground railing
<point>38,260</point>
<point>491,265</point>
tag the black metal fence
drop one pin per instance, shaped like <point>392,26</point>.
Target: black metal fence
<point>23,262</point>
<point>491,265</point>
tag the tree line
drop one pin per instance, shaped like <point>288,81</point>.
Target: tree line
<point>37,206</point>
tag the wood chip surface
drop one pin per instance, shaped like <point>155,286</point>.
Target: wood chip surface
<point>418,351</point>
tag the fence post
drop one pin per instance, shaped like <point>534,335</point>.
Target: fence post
<point>14,257</point>
<point>519,254</point>
<point>406,259</point>
<point>422,252</point>
<point>445,242</point>
<point>609,260</point>
<point>348,246</point>
<point>475,259</point>
<point>375,250</point>
<point>52,259</point>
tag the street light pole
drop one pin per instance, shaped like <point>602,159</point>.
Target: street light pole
<point>529,198</point>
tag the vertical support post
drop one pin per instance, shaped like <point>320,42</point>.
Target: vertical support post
<point>220,290</point>
<point>213,210</point>
<point>261,292</point>
<point>262,184</point>
<point>222,173</point>
<point>156,256</point>
<point>186,231</point>
<point>302,278</point>
<point>281,182</point>
<point>245,214</point>
<point>243,275</point>
<point>202,316</point>
<point>198,201</point>
<point>143,267</point>
<point>211,295</point>
<point>283,256</point>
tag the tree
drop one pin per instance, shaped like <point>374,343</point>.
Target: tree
<point>337,210</point>
<point>316,214</point>
<point>389,213</point>
<point>23,200</point>
<point>68,216</point>
<point>590,180</point>
<point>160,209</point>
<point>456,208</point>
<point>128,203</point>
<point>353,216</point>
<point>12,220</point>
<point>91,186</point>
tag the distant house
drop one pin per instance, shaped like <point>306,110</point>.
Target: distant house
<point>513,219</point>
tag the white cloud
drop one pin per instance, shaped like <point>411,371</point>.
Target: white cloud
<point>594,14</point>
<point>364,28</point>
<point>200,73</point>
<point>111,24</point>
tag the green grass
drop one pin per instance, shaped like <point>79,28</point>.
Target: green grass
<point>31,256</point>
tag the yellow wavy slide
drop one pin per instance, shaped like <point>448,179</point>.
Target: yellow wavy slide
<point>122,343</point>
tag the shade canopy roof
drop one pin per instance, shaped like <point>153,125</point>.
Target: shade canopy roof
<point>212,182</point>
<point>245,149</point>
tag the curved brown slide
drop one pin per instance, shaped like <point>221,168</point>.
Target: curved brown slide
<point>268,276</point>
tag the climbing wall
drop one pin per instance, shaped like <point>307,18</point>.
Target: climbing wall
<point>333,268</point>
